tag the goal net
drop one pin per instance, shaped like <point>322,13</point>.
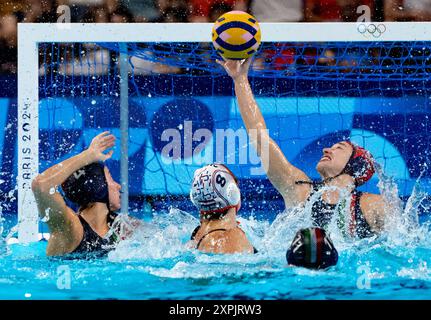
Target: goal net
<point>315,84</point>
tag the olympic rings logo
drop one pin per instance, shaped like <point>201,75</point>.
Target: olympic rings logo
<point>375,30</point>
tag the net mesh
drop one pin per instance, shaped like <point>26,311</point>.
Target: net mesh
<point>361,61</point>
<point>311,95</point>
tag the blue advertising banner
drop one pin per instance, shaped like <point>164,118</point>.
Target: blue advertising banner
<point>210,129</point>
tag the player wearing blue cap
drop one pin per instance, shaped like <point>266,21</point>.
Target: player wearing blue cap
<point>87,182</point>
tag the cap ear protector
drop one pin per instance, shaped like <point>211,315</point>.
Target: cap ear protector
<point>360,165</point>
<point>215,190</point>
<point>312,248</point>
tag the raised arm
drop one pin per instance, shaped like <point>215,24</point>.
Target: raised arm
<point>279,170</point>
<point>51,205</point>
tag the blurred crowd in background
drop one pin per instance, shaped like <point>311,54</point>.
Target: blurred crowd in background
<point>127,11</point>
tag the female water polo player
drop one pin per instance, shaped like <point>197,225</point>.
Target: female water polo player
<point>216,194</point>
<point>344,166</point>
<point>88,183</point>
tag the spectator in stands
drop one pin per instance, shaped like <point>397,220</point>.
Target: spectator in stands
<point>172,11</point>
<point>407,10</point>
<point>143,10</point>
<point>8,43</point>
<point>217,10</point>
<point>10,6</point>
<point>322,10</point>
<point>82,10</point>
<point>85,5</point>
<point>277,10</point>
<point>121,15</point>
<point>101,15</point>
<point>96,15</point>
<point>334,10</point>
<point>41,11</point>
<point>176,14</point>
<point>97,10</point>
<point>200,9</point>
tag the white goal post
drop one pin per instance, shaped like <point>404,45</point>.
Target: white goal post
<point>30,35</point>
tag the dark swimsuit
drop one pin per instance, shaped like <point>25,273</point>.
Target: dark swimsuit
<point>93,244</point>
<point>199,243</point>
<point>322,213</point>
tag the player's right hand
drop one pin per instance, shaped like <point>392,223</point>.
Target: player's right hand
<point>237,69</point>
<point>99,145</point>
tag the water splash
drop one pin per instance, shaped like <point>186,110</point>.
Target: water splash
<point>161,238</point>
<point>421,271</point>
<point>3,243</point>
<point>158,254</point>
<point>402,227</point>
<point>163,243</point>
<point>283,228</point>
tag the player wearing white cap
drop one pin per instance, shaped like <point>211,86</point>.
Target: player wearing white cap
<point>216,194</point>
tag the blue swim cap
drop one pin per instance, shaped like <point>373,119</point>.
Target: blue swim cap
<point>312,248</point>
<point>87,185</point>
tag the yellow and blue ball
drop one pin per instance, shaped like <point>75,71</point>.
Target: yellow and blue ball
<point>236,35</point>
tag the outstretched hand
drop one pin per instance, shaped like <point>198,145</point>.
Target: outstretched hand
<point>237,69</point>
<point>100,144</point>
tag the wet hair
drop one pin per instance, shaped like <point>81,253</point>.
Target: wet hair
<point>87,185</point>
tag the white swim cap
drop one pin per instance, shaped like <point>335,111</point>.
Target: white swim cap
<point>215,189</point>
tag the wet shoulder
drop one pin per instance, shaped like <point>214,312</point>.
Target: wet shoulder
<point>374,209</point>
<point>371,199</point>
<point>229,241</point>
<point>65,239</point>
<point>298,196</point>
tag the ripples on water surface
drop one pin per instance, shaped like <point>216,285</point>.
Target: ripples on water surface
<point>156,263</point>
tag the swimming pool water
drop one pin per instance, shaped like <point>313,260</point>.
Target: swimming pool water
<point>157,264</point>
